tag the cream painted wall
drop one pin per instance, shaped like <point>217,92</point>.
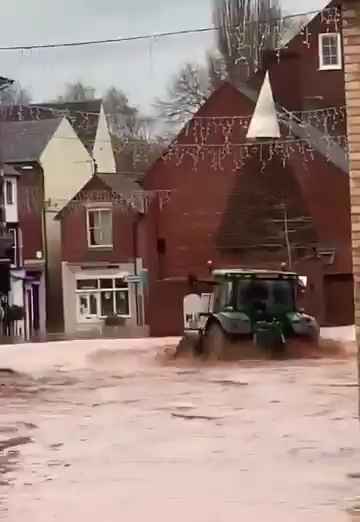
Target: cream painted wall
<point>54,284</point>
<point>67,167</point>
<point>103,151</point>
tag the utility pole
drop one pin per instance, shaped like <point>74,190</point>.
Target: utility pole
<point>286,236</point>
<point>290,225</point>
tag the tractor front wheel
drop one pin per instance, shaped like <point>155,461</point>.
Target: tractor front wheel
<point>214,342</point>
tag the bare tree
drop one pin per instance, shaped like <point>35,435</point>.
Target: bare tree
<point>132,133</point>
<point>246,29</point>
<point>241,39</point>
<point>77,92</point>
<point>216,70</point>
<point>123,118</point>
<point>15,94</point>
<point>186,93</point>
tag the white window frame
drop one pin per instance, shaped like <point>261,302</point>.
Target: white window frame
<point>9,183</point>
<point>98,291</point>
<point>14,231</point>
<point>333,67</point>
<point>98,209</point>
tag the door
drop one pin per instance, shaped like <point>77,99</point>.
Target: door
<point>36,308</point>
<point>192,310</point>
<point>87,307</point>
<point>29,299</point>
<point>339,299</point>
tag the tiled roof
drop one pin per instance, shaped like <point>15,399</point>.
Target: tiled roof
<point>84,116</point>
<point>254,215</point>
<point>22,141</point>
<point>119,183</point>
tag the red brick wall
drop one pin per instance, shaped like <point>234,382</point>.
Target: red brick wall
<point>75,248</point>
<point>30,206</point>
<point>190,223</point>
<point>327,192</point>
<point>166,317</point>
<point>200,198</point>
<point>296,78</point>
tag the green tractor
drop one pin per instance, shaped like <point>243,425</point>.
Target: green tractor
<point>254,308</point>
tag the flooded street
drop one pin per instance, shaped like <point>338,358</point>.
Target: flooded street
<point>110,431</point>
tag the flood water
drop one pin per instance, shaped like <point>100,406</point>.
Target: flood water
<point>111,432</point>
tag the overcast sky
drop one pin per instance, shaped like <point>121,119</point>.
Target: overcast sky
<point>141,69</point>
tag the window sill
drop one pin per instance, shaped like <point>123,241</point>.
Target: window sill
<point>101,247</point>
<point>331,68</point>
<point>120,316</point>
<point>99,320</point>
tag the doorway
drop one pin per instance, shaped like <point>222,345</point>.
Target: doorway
<point>87,307</point>
<point>339,300</point>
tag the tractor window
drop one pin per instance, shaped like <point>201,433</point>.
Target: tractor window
<point>265,295</point>
<point>223,295</point>
<point>252,293</point>
<point>283,294</point>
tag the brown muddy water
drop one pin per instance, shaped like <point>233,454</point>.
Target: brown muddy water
<point>111,430</point>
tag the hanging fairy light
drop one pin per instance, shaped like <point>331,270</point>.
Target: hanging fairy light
<point>137,200</point>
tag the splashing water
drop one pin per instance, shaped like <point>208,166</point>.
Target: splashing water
<point>120,428</point>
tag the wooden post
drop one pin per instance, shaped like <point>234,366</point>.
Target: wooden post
<point>351,37</point>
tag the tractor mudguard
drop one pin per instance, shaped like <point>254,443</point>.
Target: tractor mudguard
<point>303,324</point>
<point>233,323</point>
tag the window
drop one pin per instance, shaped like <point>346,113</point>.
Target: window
<point>14,250</point>
<point>330,51</point>
<point>9,193</point>
<point>99,225</point>
<point>102,297</point>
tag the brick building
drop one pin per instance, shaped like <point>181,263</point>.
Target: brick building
<point>101,256</point>
<point>24,216</point>
<point>229,208</point>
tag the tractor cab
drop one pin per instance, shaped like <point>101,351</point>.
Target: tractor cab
<point>255,293</point>
<point>257,304</point>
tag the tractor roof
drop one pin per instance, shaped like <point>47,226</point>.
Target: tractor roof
<point>253,272</point>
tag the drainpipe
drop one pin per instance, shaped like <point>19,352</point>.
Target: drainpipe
<point>44,245</point>
<point>135,255</point>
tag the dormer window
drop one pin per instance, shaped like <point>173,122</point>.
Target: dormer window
<point>330,53</point>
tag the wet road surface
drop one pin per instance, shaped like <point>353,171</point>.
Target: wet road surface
<point>116,433</point>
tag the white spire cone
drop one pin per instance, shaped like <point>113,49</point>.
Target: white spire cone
<point>264,122</point>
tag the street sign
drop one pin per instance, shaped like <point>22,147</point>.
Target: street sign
<point>133,279</point>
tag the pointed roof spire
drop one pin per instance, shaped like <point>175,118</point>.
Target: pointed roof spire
<point>264,122</point>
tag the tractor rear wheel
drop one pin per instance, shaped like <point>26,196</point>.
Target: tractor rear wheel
<point>214,342</point>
